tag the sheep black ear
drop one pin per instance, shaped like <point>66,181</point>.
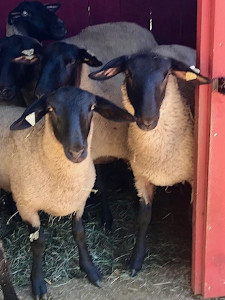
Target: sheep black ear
<point>111,111</point>
<point>186,73</point>
<point>53,7</point>
<point>13,16</point>
<point>111,69</point>
<point>89,58</point>
<point>31,115</point>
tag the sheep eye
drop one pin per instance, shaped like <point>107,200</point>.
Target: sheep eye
<point>24,13</point>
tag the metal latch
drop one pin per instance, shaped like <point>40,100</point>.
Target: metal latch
<point>219,85</point>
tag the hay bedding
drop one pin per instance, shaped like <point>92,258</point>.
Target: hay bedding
<point>168,260</point>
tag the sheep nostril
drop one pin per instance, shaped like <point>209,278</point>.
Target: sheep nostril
<point>5,92</point>
<point>147,124</point>
<point>76,154</point>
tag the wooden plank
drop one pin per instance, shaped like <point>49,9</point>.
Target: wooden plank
<point>137,11</point>
<point>174,21</point>
<point>214,262</point>
<point>202,124</point>
<point>214,259</point>
<point>75,15</point>
<point>104,11</point>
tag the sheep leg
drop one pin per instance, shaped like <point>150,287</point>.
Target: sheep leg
<point>5,280</point>
<point>85,261</point>
<point>37,275</point>
<point>107,218</point>
<point>146,191</point>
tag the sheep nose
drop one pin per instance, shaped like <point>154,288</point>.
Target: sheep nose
<point>75,153</point>
<point>147,124</point>
<point>6,92</point>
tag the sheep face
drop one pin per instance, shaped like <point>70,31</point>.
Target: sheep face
<point>146,81</point>
<point>19,57</point>
<point>61,65</point>
<point>70,113</point>
<point>71,122</point>
<point>38,20</point>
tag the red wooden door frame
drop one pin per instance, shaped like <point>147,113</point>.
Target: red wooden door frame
<point>208,264</point>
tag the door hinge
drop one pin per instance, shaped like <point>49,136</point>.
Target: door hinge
<point>219,85</point>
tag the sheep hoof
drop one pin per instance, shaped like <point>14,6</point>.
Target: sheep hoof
<point>43,297</point>
<point>39,289</point>
<point>98,283</point>
<point>93,274</point>
<point>133,272</point>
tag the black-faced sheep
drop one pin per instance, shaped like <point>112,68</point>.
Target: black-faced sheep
<point>36,20</point>
<point>67,64</point>
<point>161,141</point>
<point>49,166</point>
<point>19,69</point>
<point>105,42</point>
<point>5,279</point>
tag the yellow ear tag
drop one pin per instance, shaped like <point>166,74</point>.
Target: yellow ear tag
<point>190,76</point>
<point>31,119</point>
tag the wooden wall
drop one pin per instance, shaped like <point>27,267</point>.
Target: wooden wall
<point>174,21</point>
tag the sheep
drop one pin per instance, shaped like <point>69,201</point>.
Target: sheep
<point>19,69</point>
<point>61,66</point>
<point>161,141</point>
<point>36,20</point>
<point>113,39</point>
<point>105,41</point>
<point>49,166</point>
<point>5,279</point>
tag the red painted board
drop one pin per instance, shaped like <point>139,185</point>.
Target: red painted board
<point>137,11</point>
<point>73,12</point>
<point>202,127</point>
<point>174,22</point>
<point>214,271</point>
<point>104,11</point>
<point>214,259</point>
<point>208,274</point>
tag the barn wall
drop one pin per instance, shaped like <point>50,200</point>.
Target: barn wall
<point>174,21</point>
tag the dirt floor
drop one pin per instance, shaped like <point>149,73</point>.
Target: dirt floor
<point>166,272</point>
